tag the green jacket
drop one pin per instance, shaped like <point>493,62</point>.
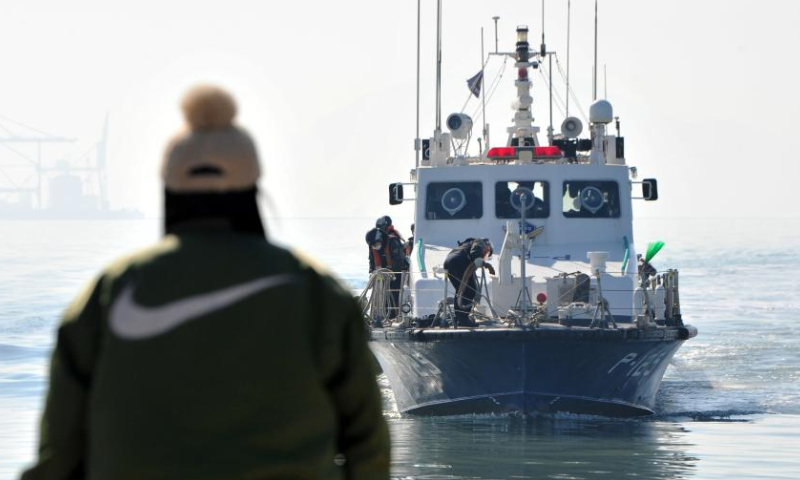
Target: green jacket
<point>212,356</point>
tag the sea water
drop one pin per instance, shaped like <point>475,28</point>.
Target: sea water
<point>729,406</point>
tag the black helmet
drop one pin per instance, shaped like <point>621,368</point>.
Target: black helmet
<point>489,245</point>
<point>374,237</point>
<point>383,222</point>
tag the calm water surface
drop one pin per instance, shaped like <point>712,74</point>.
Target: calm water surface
<point>729,406</point>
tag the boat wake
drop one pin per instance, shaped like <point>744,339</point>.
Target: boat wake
<point>733,415</point>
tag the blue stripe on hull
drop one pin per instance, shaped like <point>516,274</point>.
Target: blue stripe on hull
<point>530,403</point>
<point>595,371</point>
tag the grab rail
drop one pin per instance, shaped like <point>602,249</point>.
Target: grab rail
<point>421,256</point>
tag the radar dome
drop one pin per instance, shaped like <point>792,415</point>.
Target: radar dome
<point>601,112</point>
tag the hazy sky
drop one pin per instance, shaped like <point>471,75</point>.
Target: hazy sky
<point>706,90</point>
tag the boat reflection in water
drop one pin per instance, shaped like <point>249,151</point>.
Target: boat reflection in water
<point>486,446</point>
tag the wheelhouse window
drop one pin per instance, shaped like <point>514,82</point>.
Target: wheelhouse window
<point>590,199</point>
<point>507,202</point>
<point>454,201</point>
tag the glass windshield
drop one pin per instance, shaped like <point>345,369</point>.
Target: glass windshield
<point>453,201</point>
<point>590,199</point>
<point>507,204</point>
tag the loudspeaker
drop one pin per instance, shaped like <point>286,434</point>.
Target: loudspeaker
<point>571,127</point>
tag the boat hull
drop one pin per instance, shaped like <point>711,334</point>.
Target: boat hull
<point>613,372</point>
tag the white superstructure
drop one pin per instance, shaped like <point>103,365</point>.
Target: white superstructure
<point>582,192</point>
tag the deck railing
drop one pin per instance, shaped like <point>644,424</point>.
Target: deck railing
<point>658,298</point>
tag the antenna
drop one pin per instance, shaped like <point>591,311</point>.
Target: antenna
<point>594,70</point>
<point>438,67</point>
<point>417,143</point>
<point>569,10</point>
<point>543,51</point>
<point>495,33</point>
<point>483,97</point>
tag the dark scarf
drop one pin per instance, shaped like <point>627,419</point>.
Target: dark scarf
<point>237,211</point>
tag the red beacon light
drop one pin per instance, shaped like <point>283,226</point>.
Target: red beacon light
<point>551,151</point>
<point>512,153</point>
<point>502,153</point>
<point>541,298</point>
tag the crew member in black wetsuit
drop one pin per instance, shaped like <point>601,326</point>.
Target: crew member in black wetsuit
<point>375,242</point>
<point>409,245</point>
<point>646,269</point>
<point>461,264</point>
<point>395,258</point>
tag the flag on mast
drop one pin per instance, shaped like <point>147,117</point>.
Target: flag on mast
<point>474,84</point>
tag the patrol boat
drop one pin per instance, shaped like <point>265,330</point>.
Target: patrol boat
<point>569,323</point>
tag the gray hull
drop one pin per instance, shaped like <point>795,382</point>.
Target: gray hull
<point>548,369</point>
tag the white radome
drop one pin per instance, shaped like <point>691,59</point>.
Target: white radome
<point>601,111</point>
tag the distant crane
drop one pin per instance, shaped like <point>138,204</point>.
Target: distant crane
<point>101,166</point>
<point>39,138</point>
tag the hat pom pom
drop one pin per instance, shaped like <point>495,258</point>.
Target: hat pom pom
<point>207,107</point>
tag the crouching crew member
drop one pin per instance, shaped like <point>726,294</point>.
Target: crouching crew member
<point>461,264</point>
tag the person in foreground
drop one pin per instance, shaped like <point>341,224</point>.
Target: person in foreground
<point>213,354</point>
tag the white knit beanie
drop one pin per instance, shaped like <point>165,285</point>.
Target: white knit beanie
<point>211,154</point>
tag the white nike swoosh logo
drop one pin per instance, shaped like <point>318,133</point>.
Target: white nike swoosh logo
<point>131,321</point>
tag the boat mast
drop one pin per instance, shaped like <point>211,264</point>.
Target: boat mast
<point>543,52</point>
<point>438,68</point>
<point>417,142</point>
<point>496,51</point>
<point>483,99</point>
<point>569,11</point>
<point>594,70</point>
<point>523,133</point>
